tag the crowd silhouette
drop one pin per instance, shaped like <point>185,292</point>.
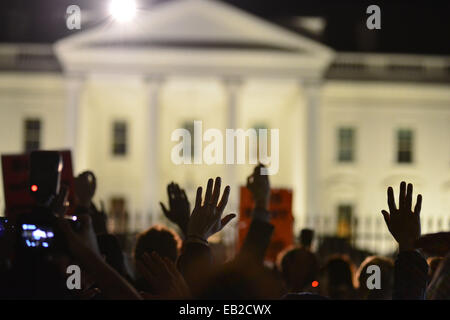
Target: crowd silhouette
<point>181,265</point>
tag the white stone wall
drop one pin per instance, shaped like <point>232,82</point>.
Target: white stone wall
<point>375,109</point>
<point>30,95</point>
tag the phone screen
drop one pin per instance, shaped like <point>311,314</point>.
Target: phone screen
<point>35,236</point>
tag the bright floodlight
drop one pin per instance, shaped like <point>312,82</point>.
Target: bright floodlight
<point>122,10</point>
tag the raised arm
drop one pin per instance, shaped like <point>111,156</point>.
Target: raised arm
<point>85,186</point>
<point>179,209</point>
<point>411,269</point>
<point>260,231</point>
<point>205,221</point>
<point>83,246</point>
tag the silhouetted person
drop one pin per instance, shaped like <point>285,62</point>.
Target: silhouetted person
<point>299,268</point>
<point>306,238</point>
<point>163,241</point>
<point>337,278</point>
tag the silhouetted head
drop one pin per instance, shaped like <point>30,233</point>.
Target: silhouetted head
<point>240,281</point>
<point>160,239</point>
<point>386,279</point>
<point>306,237</point>
<point>337,278</point>
<point>299,268</point>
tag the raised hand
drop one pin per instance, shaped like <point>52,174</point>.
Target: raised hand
<point>206,218</point>
<point>84,238</point>
<point>402,222</point>
<point>179,207</point>
<point>259,186</point>
<point>163,277</point>
<point>85,185</point>
<point>83,247</point>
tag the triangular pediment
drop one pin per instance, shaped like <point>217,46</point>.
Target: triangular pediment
<point>207,25</point>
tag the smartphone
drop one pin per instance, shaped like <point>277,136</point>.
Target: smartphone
<point>45,175</point>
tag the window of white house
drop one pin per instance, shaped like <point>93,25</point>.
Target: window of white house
<point>119,146</point>
<point>405,144</point>
<point>32,134</point>
<point>344,220</point>
<point>118,215</point>
<point>346,144</point>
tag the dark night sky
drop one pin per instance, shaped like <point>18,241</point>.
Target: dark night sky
<point>407,26</point>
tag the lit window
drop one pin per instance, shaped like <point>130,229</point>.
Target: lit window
<point>118,222</point>
<point>32,134</point>
<point>405,143</point>
<point>346,144</point>
<point>344,220</point>
<point>119,147</point>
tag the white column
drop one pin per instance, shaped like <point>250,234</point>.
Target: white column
<point>232,88</point>
<point>299,178</point>
<point>151,148</point>
<point>312,99</point>
<point>74,85</point>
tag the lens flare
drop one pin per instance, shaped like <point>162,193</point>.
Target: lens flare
<point>122,10</point>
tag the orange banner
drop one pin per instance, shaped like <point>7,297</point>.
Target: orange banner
<point>282,219</point>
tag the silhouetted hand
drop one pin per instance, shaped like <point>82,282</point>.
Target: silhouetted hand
<point>206,218</point>
<point>179,207</point>
<point>259,186</point>
<point>403,223</point>
<point>84,248</point>
<point>83,239</point>
<point>436,244</point>
<point>163,277</point>
<point>85,185</point>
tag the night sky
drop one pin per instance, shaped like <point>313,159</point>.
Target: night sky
<point>407,26</point>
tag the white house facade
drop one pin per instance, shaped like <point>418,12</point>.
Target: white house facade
<point>349,124</point>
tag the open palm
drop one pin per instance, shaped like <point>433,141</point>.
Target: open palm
<point>403,222</point>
